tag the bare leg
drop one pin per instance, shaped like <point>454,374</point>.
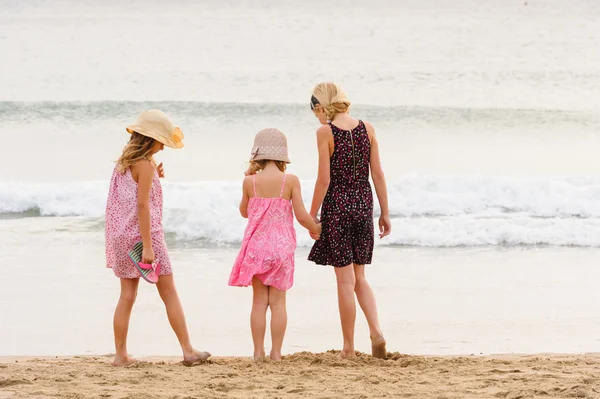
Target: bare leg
<point>278,321</point>
<point>169,296</point>
<point>129,288</point>
<point>346,282</point>
<point>366,299</point>
<point>258,317</point>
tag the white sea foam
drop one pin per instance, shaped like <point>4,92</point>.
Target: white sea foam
<point>427,211</point>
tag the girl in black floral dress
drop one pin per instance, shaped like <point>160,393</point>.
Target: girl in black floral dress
<point>348,149</point>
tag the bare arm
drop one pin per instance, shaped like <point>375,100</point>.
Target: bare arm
<point>303,217</point>
<point>246,187</point>
<point>143,173</point>
<point>324,136</point>
<point>385,226</point>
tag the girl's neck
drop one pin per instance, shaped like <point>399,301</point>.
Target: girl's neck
<point>341,117</point>
<point>271,167</point>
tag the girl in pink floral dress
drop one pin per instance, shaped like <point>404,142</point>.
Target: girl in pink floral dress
<point>266,259</point>
<point>133,214</point>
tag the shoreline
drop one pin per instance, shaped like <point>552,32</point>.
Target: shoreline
<point>305,374</point>
<point>438,302</point>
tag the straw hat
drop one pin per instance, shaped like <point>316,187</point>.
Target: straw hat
<point>157,125</point>
<point>270,144</point>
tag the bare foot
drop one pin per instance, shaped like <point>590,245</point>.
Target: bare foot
<point>123,361</point>
<point>195,358</point>
<point>346,354</point>
<point>275,356</point>
<point>378,349</point>
<point>259,355</point>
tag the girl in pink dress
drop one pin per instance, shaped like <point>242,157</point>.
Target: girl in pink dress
<point>266,260</point>
<point>133,214</point>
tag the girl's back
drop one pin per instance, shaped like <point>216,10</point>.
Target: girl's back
<point>351,155</point>
<point>270,215</point>
<point>270,239</point>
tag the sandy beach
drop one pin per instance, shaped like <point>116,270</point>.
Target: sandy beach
<point>306,375</point>
<point>488,119</point>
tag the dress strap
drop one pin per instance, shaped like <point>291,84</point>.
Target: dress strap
<point>254,184</point>
<point>282,186</point>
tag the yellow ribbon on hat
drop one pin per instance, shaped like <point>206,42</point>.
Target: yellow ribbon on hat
<point>178,136</point>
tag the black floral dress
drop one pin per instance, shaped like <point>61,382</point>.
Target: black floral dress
<point>347,210</point>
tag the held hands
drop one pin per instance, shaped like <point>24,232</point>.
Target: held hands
<point>316,234</point>
<point>148,255</point>
<point>385,226</point>
<point>161,171</point>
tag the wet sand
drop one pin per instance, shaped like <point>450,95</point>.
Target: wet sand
<point>431,301</point>
<point>306,375</point>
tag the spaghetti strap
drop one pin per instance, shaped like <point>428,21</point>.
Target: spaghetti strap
<point>282,186</point>
<point>254,184</point>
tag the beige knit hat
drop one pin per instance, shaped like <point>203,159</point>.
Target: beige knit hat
<point>270,144</point>
<point>157,125</point>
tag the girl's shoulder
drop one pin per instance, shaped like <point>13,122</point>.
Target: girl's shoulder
<point>291,177</point>
<point>324,130</point>
<point>325,134</point>
<point>368,126</point>
<point>291,180</point>
<point>142,167</point>
<point>248,181</point>
<point>144,163</point>
<point>369,129</point>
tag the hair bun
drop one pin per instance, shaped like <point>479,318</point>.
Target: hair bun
<point>332,98</point>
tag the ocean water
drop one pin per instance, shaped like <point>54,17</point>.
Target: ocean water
<point>488,116</point>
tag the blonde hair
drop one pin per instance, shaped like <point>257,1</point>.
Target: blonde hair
<point>257,166</point>
<point>139,147</point>
<point>332,99</point>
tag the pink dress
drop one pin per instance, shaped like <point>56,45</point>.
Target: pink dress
<point>122,226</point>
<point>269,244</point>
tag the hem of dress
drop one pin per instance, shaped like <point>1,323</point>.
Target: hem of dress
<point>250,284</point>
<point>239,285</point>
<point>320,263</point>
<point>131,278</point>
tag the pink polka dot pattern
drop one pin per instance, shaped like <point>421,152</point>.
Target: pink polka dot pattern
<point>122,225</point>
